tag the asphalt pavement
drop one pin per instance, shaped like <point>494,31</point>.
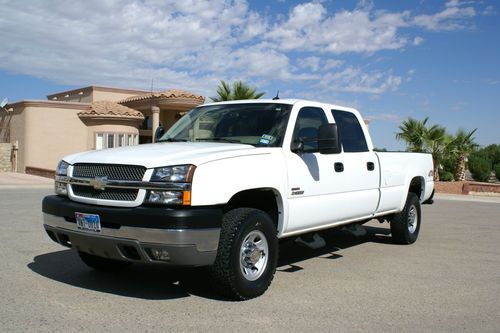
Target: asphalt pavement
<point>448,281</point>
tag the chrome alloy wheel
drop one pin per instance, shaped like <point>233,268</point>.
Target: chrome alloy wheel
<point>253,255</point>
<point>412,219</point>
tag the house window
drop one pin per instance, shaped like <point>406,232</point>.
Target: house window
<point>110,140</point>
<point>121,140</point>
<point>99,141</point>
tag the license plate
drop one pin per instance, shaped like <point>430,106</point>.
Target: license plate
<point>88,222</point>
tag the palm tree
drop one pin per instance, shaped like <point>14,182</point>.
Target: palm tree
<point>412,132</point>
<point>436,141</point>
<point>240,90</point>
<point>422,139</point>
<point>461,146</point>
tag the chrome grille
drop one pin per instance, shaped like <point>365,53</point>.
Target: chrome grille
<point>118,194</point>
<point>112,171</point>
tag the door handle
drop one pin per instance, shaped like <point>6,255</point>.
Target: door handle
<point>370,166</point>
<point>339,167</point>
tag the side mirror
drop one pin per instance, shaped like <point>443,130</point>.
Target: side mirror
<point>328,139</point>
<point>159,132</point>
<point>297,146</point>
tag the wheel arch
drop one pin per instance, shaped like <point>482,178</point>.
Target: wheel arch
<point>266,199</point>
<point>417,186</point>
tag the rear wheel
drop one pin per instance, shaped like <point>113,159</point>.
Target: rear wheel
<point>405,225</point>
<point>102,264</point>
<point>247,254</point>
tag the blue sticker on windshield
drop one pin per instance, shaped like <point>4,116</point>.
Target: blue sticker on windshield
<point>266,139</point>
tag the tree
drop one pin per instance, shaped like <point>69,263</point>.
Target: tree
<point>239,91</point>
<point>483,161</point>
<point>436,141</point>
<point>423,139</point>
<point>412,132</point>
<point>480,167</point>
<point>461,146</point>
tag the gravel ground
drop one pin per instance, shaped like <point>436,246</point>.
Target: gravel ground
<point>448,281</point>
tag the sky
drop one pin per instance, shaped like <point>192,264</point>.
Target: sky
<point>389,59</point>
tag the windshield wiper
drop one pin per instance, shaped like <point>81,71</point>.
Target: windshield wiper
<point>172,140</point>
<point>218,139</point>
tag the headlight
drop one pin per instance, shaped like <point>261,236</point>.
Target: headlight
<point>62,168</point>
<point>61,188</point>
<point>177,173</point>
<point>172,174</point>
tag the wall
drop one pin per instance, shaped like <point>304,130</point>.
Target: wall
<point>111,96</point>
<point>50,134</point>
<point>168,118</point>
<point>5,154</point>
<point>17,129</point>
<point>94,93</point>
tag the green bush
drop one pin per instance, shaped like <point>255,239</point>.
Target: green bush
<point>446,176</point>
<point>480,167</point>
<point>448,164</point>
<point>497,171</point>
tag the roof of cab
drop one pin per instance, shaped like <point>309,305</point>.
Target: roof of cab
<point>290,101</point>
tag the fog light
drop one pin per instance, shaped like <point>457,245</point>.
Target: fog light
<point>159,254</point>
<point>165,197</point>
<point>61,188</point>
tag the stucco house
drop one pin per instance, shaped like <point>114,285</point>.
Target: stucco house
<point>36,134</point>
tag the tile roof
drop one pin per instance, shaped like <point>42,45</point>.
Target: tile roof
<point>167,94</point>
<point>110,109</point>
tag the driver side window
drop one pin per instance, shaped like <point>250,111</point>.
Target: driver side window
<point>307,126</point>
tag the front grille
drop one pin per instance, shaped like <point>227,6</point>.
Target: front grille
<point>112,171</point>
<point>118,194</point>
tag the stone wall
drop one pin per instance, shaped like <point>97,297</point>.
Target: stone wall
<point>5,157</point>
<point>482,188</point>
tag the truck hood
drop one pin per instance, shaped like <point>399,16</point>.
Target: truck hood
<point>167,153</point>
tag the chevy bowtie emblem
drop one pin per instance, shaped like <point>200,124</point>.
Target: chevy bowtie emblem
<point>99,183</point>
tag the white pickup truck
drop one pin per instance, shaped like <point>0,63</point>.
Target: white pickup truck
<point>226,182</point>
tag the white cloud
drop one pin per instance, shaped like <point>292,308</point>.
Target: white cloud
<point>417,40</point>
<point>454,17</point>
<point>309,28</point>
<point>410,74</point>
<point>312,63</point>
<point>333,63</point>
<point>390,117</point>
<point>355,80</point>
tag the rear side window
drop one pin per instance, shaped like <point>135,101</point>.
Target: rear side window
<point>307,126</point>
<point>350,132</point>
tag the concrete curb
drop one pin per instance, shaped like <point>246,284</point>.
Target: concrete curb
<point>469,198</point>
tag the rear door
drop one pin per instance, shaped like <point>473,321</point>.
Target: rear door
<point>361,166</point>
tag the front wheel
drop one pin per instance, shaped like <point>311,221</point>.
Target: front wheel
<point>247,254</point>
<point>405,225</point>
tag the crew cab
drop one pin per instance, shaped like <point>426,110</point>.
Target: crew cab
<point>225,183</point>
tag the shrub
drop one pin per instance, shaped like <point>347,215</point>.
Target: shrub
<point>480,167</point>
<point>446,176</point>
<point>497,171</point>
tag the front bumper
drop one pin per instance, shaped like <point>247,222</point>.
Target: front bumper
<point>189,235</point>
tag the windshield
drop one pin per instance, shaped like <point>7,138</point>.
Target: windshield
<point>257,124</point>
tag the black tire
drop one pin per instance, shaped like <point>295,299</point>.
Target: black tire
<point>229,274</point>
<point>403,229</point>
<point>102,264</point>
